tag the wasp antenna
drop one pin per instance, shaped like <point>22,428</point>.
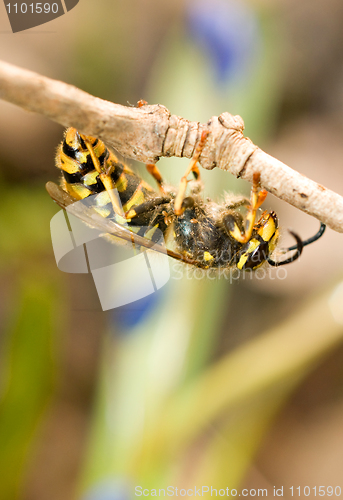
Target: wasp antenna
<point>298,247</point>
<point>311,240</point>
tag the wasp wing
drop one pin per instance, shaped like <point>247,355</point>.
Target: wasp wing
<point>107,226</point>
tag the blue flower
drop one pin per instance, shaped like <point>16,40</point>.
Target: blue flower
<point>130,315</point>
<point>227,31</point>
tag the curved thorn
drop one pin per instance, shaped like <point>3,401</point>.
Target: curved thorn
<point>311,240</point>
<point>298,247</point>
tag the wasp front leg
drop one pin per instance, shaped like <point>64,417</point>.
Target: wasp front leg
<point>192,167</point>
<point>154,171</point>
<point>257,197</point>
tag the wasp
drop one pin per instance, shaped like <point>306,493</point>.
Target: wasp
<point>200,232</point>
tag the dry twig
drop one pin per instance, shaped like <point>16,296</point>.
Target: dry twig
<point>149,132</point>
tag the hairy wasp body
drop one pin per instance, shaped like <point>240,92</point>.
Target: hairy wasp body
<point>205,233</point>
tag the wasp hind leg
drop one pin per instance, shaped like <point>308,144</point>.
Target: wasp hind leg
<point>179,207</point>
<point>257,197</point>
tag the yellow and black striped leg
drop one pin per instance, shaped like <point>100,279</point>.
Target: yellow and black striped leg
<point>192,167</point>
<point>154,171</point>
<point>106,179</point>
<point>242,235</point>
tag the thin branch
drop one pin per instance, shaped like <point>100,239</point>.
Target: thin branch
<point>149,132</point>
